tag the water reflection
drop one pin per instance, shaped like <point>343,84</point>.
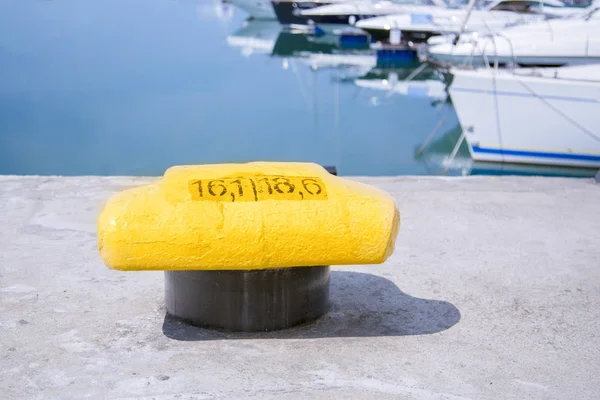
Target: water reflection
<point>442,151</point>
<point>255,37</point>
<point>214,9</point>
<point>437,156</point>
<point>83,90</point>
<point>420,82</point>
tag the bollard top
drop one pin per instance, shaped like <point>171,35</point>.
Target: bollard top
<point>258,181</point>
<point>247,216</point>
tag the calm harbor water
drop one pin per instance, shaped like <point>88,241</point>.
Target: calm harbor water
<point>133,87</point>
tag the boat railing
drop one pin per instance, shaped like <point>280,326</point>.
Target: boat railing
<point>492,35</point>
<point>493,39</point>
<point>469,61</point>
<point>513,57</point>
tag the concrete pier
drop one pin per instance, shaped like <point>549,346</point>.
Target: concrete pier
<point>493,293</point>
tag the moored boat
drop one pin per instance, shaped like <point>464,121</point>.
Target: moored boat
<point>556,42</point>
<point>420,25</point>
<point>351,12</point>
<point>530,116</point>
<point>288,11</point>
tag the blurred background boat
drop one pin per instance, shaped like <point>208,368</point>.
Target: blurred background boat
<point>568,41</point>
<point>289,11</point>
<point>419,26</point>
<point>348,13</point>
<point>530,116</point>
<point>527,117</point>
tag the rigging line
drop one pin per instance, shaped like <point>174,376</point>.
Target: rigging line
<point>498,127</point>
<point>559,112</point>
<point>336,130</point>
<point>303,93</point>
<point>495,85</point>
<point>415,72</point>
<point>432,133</point>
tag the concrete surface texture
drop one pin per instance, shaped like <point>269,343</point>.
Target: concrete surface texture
<point>493,293</point>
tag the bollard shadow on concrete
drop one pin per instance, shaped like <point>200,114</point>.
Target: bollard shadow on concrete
<point>362,305</point>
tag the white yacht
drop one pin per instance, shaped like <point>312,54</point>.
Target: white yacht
<point>419,25</point>
<point>351,12</point>
<point>259,9</point>
<point>548,116</point>
<point>288,11</point>
<point>556,42</point>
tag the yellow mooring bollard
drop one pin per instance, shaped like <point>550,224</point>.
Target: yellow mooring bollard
<point>247,247</point>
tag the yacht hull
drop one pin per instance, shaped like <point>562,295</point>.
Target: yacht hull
<point>520,60</point>
<point>288,12</point>
<point>383,35</point>
<point>338,19</point>
<point>528,119</point>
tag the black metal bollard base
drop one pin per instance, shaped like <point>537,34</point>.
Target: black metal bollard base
<point>248,301</point>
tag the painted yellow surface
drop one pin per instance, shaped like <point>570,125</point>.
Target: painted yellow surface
<point>247,216</point>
